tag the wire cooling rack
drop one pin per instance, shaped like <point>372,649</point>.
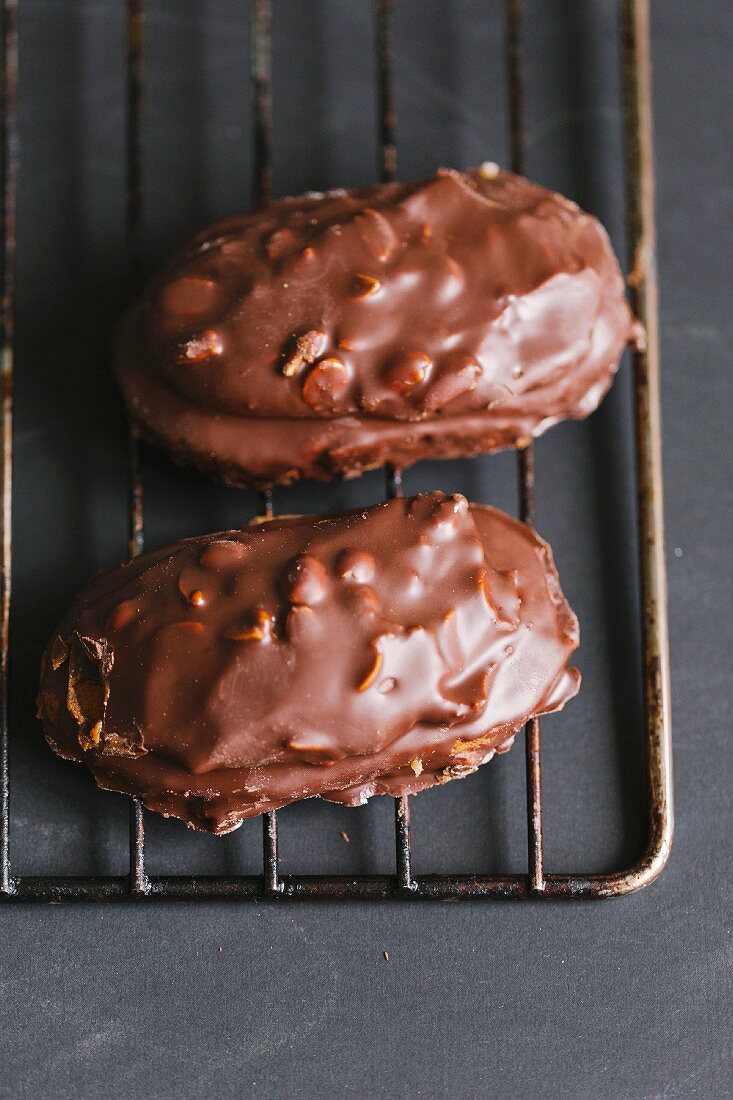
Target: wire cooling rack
<point>536,882</point>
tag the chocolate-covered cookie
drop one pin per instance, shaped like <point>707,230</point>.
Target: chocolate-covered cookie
<point>378,651</point>
<point>333,333</point>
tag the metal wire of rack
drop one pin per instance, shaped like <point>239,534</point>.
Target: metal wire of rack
<point>536,882</point>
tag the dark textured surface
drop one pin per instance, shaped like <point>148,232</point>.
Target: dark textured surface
<point>619,999</point>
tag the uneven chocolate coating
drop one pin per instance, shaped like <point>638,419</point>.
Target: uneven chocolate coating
<point>372,652</point>
<point>332,333</point>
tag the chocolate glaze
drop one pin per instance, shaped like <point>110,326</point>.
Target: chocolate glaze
<point>331,333</point>
<point>379,651</point>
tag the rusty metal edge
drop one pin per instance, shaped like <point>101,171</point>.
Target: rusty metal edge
<point>640,215</point>
<point>641,231</point>
<point>515,887</point>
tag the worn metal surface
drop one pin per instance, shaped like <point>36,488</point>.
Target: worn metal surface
<point>513,15</point>
<point>536,882</point>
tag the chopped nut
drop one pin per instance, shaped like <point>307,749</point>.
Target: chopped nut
<point>120,615</point>
<point>85,699</point>
<point>306,349</point>
<point>222,553</point>
<point>319,755</point>
<point>454,269</point>
<point>482,581</point>
<point>377,234</point>
<point>461,377</point>
<point>115,744</point>
<point>305,580</point>
<point>250,634</point>
<point>90,660</point>
<point>59,652</point>
<point>407,371</point>
<point>366,600</point>
<point>355,565</point>
<point>299,622</point>
<point>416,766</point>
<point>200,348</point>
<point>345,837</point>
<point>280,242</point>
<point>188,297</point>
<point>257,630</point>
<point>183,626</point>
<point>372,673</point>
<point>326,384</point>
<point>489,170</point>
<point>456,771</point>
<point>365,286</point>
<point>461,747</point>
<point>442,524</point>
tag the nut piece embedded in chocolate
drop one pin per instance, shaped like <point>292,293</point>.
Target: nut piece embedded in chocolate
<point>333,333</point>
<point>305,350</point>
<point>374,652</point>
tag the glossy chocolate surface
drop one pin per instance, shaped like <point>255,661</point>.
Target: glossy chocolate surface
<point>331,333</point>
<point>378,651</point>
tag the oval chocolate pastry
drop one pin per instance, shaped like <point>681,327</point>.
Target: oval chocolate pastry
<point>333,333</point>
<point>373,652</point>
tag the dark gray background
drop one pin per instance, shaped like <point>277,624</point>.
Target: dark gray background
<point>618,999</point>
